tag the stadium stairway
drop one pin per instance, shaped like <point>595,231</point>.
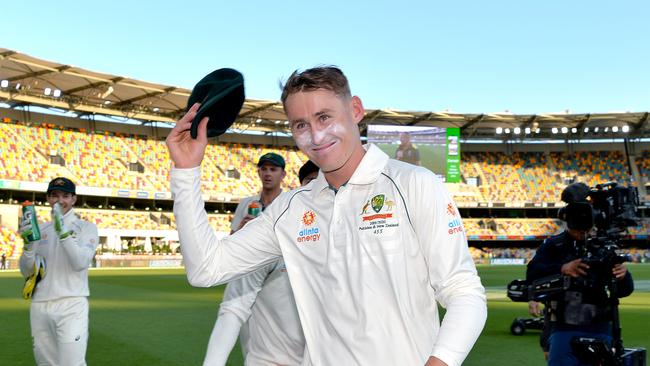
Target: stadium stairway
<point>151,185</point>
<point>49,171</point>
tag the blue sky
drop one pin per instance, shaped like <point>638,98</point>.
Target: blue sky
<point>465,56</point>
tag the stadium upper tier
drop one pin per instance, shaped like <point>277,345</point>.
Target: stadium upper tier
<point>37,153</point>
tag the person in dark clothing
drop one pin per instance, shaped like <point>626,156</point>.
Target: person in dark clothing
<point>583,310</point>
<point>406,151</point>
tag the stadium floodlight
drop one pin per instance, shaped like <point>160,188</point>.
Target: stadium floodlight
<point>615,129</point>
<point>625,129</point>
<point>286,123</point>
<point>554,130</point>
<point>517,130</point>
<point>107,92</point>
<point>499,130</point>
<point>596,129</point>
<point>586,129</point>
<point>278,122</point>
<point>47,91</point>
<point>4,83</point>
<point>574,130</point>
<point>18,86</point>
<point>258,120</point>
<point>156,109</point>
<point>57,93</point>
<point>108,102</point>
<point>527,130</point>
<point>538,130</point>
<point>607,129</point>
<point>507,130</point>
<point>565,129</point>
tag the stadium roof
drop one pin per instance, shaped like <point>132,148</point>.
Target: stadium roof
<point>26,80</point>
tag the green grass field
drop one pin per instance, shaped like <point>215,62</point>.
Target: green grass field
<point>153,317</point>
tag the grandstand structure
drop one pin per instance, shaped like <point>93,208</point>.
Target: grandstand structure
<point>107,132</point>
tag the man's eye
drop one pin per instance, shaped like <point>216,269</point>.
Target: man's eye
<point>299,126</point>
<point>323,117</point>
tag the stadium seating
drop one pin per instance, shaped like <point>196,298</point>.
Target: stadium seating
<point>103,160</point>
<point>39,152</point>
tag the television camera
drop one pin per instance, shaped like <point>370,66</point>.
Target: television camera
<point>610,209</point>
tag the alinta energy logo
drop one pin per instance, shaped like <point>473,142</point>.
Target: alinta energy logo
<point>308,233</point>
<point>455,225</point>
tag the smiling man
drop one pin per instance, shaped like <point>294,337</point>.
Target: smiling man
<point>59,310</point>
<point>367,244</point>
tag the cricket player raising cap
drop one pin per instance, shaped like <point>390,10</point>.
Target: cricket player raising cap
<point>370,246</point>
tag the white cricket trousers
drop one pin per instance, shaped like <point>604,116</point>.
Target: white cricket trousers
<point>60,331</point>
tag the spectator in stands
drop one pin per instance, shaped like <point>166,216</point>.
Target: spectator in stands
<point>4,261</point>
<point>259,306</point>
<point>406,151</point>
<point>56,268</point>
<point>370,245</point>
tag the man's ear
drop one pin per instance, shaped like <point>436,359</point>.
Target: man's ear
<point>358,112</point>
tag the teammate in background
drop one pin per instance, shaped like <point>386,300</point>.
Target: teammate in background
<point>308,172</point>
<point>59,309</point>
<point>406,152</point>
<point>370,245</point>
<point>259,307</point>
<point>4,261</point>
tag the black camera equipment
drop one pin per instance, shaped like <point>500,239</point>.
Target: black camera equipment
<point>611,209</point>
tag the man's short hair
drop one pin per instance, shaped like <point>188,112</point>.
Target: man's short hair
<point>323,77</point>
<point>306,169</point>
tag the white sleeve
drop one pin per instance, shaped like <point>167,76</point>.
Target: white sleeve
<point>26,261</point>
<point>80,247</point>
<point>452,272</point>
<point>235,309</point>
<point>240,294</point>
<point>209,261</point>
<point>222,340</point>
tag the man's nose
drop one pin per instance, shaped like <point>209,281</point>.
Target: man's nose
<point>318,135</point>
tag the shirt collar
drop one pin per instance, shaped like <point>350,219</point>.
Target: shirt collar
<point>372,164</point>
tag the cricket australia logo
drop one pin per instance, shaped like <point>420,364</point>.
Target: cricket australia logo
<point>382,217</point>
<point>377,202</point>
<point>308,233</point>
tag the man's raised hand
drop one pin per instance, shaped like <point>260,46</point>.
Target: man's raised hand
<point>185,151</point>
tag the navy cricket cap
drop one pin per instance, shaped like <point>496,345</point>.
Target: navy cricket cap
<point>221,94</point>
<point>61,184</point>
<point>271,158</point>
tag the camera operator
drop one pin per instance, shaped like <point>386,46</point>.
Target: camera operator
<point>583,309</point>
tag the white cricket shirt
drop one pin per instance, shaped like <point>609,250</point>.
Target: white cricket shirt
<point>66,261</point>
<point>366,264</point>
<point>271,334</point>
